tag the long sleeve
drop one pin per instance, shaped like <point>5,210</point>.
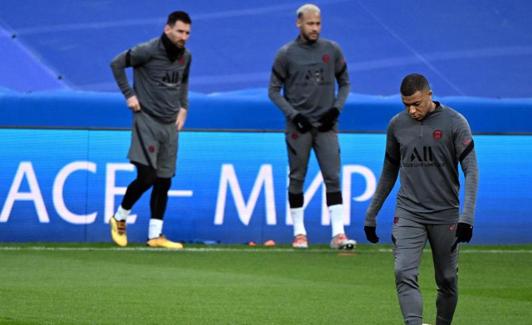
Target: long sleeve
<point>130,58</point>
<point>390,171</point>
<point>277,80</point>
<point>342,77</point>
<point>465,154</point>
<point>386,182</point>
<point>470,169</point>
<point>118,66</point>
<point>183,90</point>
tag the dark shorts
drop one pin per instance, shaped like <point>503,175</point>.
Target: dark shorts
<point>154,144</point>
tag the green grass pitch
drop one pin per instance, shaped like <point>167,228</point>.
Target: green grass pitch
<point>99,284</point>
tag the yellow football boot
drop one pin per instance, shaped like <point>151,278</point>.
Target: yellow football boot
<point>118,231</point>
<point>162,242</point>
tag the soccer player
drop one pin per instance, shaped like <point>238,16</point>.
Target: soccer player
<point>424,144</point>
<point>307,70</point>
<point>159,102</point>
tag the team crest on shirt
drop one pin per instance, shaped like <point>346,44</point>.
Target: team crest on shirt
<point>317,75</point>
<point>326,58</point>
<point>151,148</point>
<point>437,134</point>
<point>181,60</point>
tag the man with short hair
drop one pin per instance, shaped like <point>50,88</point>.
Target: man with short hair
<point>424,144</point>
<point>159,101</point>
<point>307,69</point>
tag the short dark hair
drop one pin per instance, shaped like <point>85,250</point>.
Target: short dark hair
<point>412,83</point>
<point>176,16</point>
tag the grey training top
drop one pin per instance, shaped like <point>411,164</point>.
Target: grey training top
<point>426,153</point>
<point>307,73</point>
<point>160,83</point>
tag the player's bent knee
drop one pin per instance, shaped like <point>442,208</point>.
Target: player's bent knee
<point>447,283</point>
<point>405,276</point>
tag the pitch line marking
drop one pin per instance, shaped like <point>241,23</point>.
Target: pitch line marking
<point>250,250</point>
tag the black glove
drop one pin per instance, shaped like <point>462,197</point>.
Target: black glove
<point>328,119</point>
<point>371,234</point>
<point>464,232</point>
<point>301,122</point>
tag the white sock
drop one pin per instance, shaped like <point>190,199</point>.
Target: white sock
<point>337,219</point>
<point>155,228</point>
<point>297,215</point>
<point>121,214</point>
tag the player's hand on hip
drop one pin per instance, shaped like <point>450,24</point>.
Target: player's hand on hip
<point>302,123</point>
<point>181,118</point>
<point>371,234</point>
<point>133,104</point>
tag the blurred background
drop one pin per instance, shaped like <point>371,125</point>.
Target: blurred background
<point>466,48</point>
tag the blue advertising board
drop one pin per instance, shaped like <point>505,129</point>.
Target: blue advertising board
<point>230,187</point>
